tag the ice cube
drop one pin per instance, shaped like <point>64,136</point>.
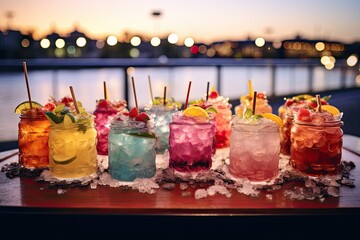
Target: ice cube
<point>201,193</point>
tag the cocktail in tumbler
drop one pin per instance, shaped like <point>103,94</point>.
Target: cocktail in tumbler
<point>104,113</point>
<point>316,141</point>
<point>72,142</point>
<point>162,116</point>
<point>254,148</point>
<point>222,118</point>
<point>132,146</point>
<point>33,136</point>
<point>191,140</point>
<point>246,101</point>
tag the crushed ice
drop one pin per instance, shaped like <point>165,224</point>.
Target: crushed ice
<point>216,181</point>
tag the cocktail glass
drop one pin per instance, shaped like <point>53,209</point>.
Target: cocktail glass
<point>316,142</point>
<point>162,116</point>
<point>73,147</point>
<point>191,143</point>
<point>254,148</point>
<point>262,104</point>
<point>131,148</point>
<point>33,136</point>
<point>104,113</point>
<point>222,117</point>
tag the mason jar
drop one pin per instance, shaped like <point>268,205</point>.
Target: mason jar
<point>73,152</point>
<point>254,149</point>
<point>33,136</point>
<point>316,146</point>
<point>131,150</point>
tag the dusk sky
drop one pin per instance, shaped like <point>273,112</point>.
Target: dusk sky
<point>204,20</point>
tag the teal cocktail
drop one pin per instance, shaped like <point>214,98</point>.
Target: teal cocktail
<point>132,146</point>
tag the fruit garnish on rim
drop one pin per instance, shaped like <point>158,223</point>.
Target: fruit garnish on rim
<point>274,118</point>
<point>331,109</point>
<point>195,111</point>
<point>26,106</point>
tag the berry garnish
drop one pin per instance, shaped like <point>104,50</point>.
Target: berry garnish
<point>142,117</point>
<point>133,112</point>
<point>49,107</point>
<point>304,114</point>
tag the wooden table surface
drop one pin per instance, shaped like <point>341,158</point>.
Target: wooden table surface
<point>26,197</point>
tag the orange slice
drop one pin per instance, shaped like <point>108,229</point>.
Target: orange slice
<point>195,111</point>
<point>273,117</point>
<point>331,109</point>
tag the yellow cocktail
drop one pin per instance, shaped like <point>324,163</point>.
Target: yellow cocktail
<point>72,142</point>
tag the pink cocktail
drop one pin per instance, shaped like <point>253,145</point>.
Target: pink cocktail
<point>222,118</point>
<point>191,143</point>
<point>254,148</point>
<point>104,113</point>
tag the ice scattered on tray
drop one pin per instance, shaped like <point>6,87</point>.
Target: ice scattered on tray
<point>209,183</point>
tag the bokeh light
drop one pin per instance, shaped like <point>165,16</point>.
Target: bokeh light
<point>155,41</point>
<point>100,44</point>
<point>188,42</point>
<point>259,42</point>
<point>135,41</point>
<point>25,43</point>
<point>173,38</point>
<point>45,43</point>
<point>60,43</point>
<point>325,60</point>
<point>81,42</point>
<point>352,60</point>
<point>134,53</point>
<point>130,71</point>
<point>71,50</point>
<point>319,46</point>
<point>112,40</point>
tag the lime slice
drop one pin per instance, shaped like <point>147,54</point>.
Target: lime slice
<point>62,159</point>
<point>144,134</point>
<point>195,111</point>
<point>53,118</point>
<point>69,120</point>
<point>273,117</point>
<point>211,109</point>
<point>26,105</point>
<point>331,109</point>
<point>247,113</point>
<point>59,108</point>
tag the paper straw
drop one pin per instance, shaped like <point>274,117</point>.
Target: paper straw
<point>133,84</point>
<point>27,84</point>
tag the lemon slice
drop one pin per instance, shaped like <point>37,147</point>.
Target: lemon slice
<point>273,117</point>
<point>331,109</point>
<point>195,111</point>
<point>212,110</point>
<point>26,105</point>
<point>304,96</point>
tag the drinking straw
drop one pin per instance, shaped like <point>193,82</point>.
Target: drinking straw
<point>187,96</point>
<point>133,84</point>
<point>318,99</point>
<point>207,90</point>
<point>27,84</point>
<point>254,102</point>
<point>250,88</point>
<point>105,91</point>
<point>164,95</point>
<point>151,93</point>
<point>74,98</point>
